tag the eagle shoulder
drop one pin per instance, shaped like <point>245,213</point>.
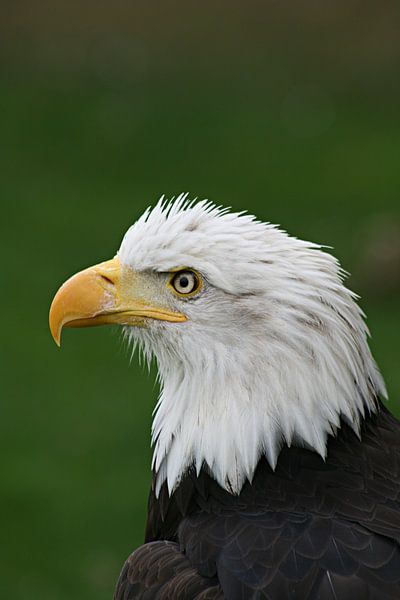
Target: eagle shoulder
<point>310,529</point>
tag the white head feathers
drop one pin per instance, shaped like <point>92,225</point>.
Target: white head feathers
<point>274,350</point>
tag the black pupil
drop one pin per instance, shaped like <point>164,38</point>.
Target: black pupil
<point>184,281</point>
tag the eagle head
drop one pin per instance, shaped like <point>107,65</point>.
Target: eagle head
<point>258,341</point>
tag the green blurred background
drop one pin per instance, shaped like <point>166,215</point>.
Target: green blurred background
<point>288,110</point>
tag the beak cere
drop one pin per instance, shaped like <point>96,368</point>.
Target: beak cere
<point>104,294</point>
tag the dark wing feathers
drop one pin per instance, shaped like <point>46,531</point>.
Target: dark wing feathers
<point>310,530</point>
<point>290,555</point>
<point>159,570</point>
<point>272,556</point>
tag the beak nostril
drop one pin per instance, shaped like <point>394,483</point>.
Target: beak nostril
<point>107,279</point>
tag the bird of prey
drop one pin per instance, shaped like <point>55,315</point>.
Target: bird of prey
<point>276,465</point>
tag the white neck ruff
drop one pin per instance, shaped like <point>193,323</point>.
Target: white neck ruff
<point>225,406</point>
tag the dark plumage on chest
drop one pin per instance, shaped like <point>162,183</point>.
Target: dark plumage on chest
<point>309,529</point>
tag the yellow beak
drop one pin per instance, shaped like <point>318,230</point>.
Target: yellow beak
<point>107,293</point>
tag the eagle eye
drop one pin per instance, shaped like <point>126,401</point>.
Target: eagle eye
<point>186,283</point>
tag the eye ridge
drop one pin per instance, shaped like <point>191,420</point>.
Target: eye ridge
<point>185,282</point>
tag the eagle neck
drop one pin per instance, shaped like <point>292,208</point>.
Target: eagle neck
<point>239,407</point>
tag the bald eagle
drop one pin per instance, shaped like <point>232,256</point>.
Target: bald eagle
<point>276,466</point>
